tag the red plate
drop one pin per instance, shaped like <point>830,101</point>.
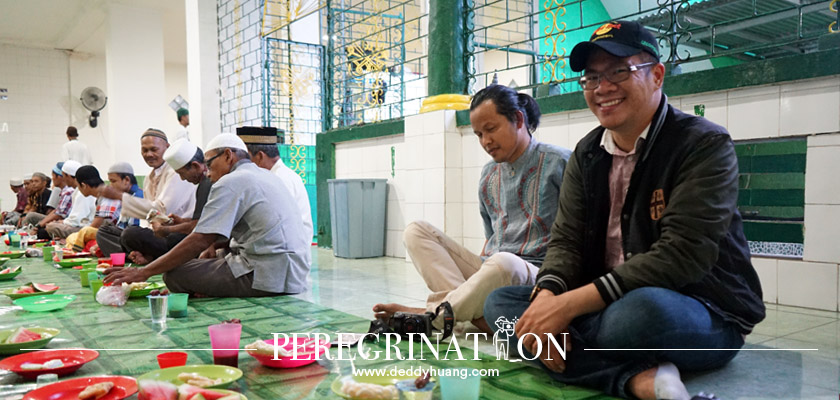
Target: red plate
<point>124,386</point>
<point>72,359</point>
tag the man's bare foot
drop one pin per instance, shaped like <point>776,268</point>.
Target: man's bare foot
<point>480,323</point>
<point>138,258</point>
<point>386,311</point>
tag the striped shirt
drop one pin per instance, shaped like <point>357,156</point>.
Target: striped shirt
<point>65,202</point>
<point>518,201</point>
<point>108,209</point>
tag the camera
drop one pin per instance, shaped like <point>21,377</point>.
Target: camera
<point>405,323</point>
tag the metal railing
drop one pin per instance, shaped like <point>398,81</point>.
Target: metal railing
<point>376,60</point>
<point>525,43</point>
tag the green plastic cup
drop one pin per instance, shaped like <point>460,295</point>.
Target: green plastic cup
<point>84,275</point>
<point>178,305</point>
<point>48,250</point>
<point>94,286</point>
<point>462,384</point>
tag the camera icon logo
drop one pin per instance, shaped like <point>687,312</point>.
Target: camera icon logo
<point>501,339</point>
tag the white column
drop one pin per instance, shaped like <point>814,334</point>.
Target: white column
<point>203,70</point>
<point>136,92</point>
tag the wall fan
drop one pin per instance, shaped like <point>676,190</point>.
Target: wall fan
<point>94,99</point>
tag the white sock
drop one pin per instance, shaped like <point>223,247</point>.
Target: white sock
<point>667,384</point>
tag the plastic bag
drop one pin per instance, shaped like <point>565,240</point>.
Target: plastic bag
<point>112,296</point>
<point>34,253</point>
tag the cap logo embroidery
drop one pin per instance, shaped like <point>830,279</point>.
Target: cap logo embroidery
<point>606,28</point>
<point>657,204</point>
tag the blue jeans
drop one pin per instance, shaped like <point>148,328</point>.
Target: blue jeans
<point>645,318</point>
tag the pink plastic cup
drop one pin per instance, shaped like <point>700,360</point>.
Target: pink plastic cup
<point>117,259</point>
<point>224,338</point>
<point>172,359</point>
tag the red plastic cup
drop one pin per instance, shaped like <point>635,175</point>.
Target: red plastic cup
<point>117,259</point>
<point>172,359</point>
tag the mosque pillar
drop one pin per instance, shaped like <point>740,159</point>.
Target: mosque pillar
<point>203,70</point>
<point>447,45</point>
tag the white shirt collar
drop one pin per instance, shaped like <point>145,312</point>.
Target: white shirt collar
<point>608,143</point>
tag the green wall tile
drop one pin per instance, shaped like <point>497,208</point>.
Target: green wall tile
<point>744,197</point>
<point>772,181</point>
<point>786,146</point>
<point>786,213</point>
<point>744,149</point>
<point>774,232</point>
<point>781,197</point>
<point>778,163</point>
<point>745,164</point>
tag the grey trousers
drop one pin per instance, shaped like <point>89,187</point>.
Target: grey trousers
<point>108,239</point>
<point>33,218</point>
<point>61,230</point>
<point>211,277</point>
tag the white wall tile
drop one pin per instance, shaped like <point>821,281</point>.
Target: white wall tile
<point>812,110</point>
<point>823,140</point>
<point>433,185</point>
<point>413,187</point>
<point>413,212</point>
<point>469,183</point>
<point>473,225</point>
<point>474,245</point>
<point>768,275</point>
<point>450,122</point>
<point>807,284</point>
<point>754,117</point>
<point>715,103</point>
<point>433,151</point>
<point>413,156</point>
<point>453,145</point>
<point>435,214</point>
<point>454,187</point>
<point>580,124</point>
<point>454,220</point>
<point>434,122</point>
<point>754,91</point>
<point>394,216</point>
<point>554,129</point>
<point>810,84</point>
<point>822,231</point>
<point>821,183</point>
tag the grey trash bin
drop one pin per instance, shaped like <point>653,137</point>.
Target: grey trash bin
<point>357,217</point>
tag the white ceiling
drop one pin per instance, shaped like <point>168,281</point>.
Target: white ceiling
<point>79,25</point>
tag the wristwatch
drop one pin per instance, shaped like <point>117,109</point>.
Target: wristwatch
<point>536,290</point>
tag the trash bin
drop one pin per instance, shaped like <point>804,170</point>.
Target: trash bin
<point>357,217</point>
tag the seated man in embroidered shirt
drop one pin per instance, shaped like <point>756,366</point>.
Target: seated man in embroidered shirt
<point>13,217</point>
<point>648,251</point>
<point>54,195</point>
<point>252,211</point>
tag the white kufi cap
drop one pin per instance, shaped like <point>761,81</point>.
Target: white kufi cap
<point>70,167</point>
<point>226,140</point>
<point>180,153</point>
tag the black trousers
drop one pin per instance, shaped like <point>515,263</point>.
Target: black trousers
<point>135,238</point>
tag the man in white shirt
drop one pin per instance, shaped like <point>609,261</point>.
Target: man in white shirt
<point>165,193</point>
<point>262,146</point>
<point>75,149</point>
<point>184,121</point>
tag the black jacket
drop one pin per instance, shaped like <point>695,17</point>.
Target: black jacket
<point>680,226</point>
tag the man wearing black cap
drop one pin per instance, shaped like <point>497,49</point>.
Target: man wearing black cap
<point>262,146</point>
<point>648,250</point>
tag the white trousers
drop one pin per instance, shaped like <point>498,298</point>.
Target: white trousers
<point>457,275</point>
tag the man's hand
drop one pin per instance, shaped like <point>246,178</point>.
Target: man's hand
<point>208,253</point>
<point>160,229</point>
<point>119,275</point>
<point>545,316</point>
<point>178,220</point>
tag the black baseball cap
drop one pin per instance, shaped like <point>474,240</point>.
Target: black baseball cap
<point>619,38</point>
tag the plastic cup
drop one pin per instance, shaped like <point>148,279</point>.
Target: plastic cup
<point>48,253</point>
<point>461,384</point>
<point>59,253</point>
<point>172,359</point>
<point>410,392</point>
<point>157,305</point>
<point>95,285</point>
<point>117,259</point>
<point>84,275</point>
<point>224,338</point>
<point>178,305</point>
<point>14,240</point>
<point>46,379</point>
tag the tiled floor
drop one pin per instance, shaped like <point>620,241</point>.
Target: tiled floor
<point>354,286</point>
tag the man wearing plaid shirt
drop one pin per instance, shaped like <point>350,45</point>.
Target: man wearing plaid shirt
<point>65,203</point>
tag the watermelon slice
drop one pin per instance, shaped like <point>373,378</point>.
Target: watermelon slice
<point>190,392</point>
<point>21,335</point>
<point>44,287</point>
<point>10,270</point>
<point>157,390</point>
<point>24,290</point>
<point>231,397</point>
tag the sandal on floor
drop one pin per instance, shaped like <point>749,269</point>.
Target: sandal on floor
<point>704,396</point>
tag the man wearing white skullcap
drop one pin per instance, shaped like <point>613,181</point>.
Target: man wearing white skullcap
<point>12,217</point>
<point>255,215</point>
<point>165,193</point>
<point>121,178</point>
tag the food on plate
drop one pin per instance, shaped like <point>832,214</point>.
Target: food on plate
<point>96,391</point>
<point>359,390</point>
<point>35,288</point>
<point>51,364</point>
<point>196,379</point>
<point>157,390</point>
<point>156,292</point>
<point>136,285</point>
<point>232,321</point>
<point>260,347</point>
<point>21,335</point>
<point>190,392</point>
<point>103,265</point>
<point>9,270</point>
<point>422,381</point>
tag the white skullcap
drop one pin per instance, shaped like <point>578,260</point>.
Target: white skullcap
<point>180,153</point>
<point>70,167</point>
<point>16,182</point>
<point>27,177</point>
<point>121,167</point>
<point>226,140</point>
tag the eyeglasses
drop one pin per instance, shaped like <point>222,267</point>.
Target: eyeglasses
<point>210,161</point>
<point>620,74</point>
